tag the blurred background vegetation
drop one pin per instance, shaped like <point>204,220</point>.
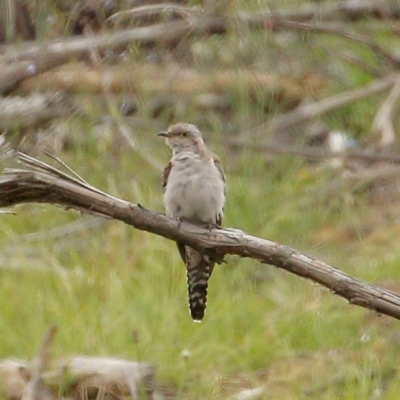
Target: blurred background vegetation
<point>115,291</point>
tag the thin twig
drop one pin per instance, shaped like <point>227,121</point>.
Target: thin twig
<point>36,388</point>
<point>348,9</point>
<point>154,9</point>
<point>44,354</point>
<point>314,153</point>
<point>79,47</point>
<point>382,123</point>
<point>15,72</point>
<point>41,166</point>
<point>55,158</point>
<point>309,111</point>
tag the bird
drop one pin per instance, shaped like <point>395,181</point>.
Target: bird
<point>194,191</point>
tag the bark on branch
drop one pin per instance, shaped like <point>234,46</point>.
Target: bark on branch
<point>41,183</point>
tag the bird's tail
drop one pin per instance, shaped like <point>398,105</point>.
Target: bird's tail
<point>199,268</point>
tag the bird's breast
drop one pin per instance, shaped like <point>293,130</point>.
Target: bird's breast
<point>195,191</point>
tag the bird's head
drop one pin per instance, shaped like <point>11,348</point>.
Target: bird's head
<point>182,136</point>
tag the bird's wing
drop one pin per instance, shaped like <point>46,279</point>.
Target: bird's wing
<point>165,175</point>
<point>220,168</point>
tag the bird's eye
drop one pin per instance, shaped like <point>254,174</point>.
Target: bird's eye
<point>184,134</point>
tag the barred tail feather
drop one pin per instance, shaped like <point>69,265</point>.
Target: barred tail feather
<point>199,269</point>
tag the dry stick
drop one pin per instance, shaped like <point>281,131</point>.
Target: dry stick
<point>166,33</point>
<point>40,183</point>
<point>327,12</point>
<point>345,9</point>
<point>308,111</point>
<point>11,75</point>
<point>314,153</point>
<point>382,123</point>
<point>172,31</point>
<point>77,47</point>
<point>36,388</point>
<point>36,109</point>
<point>273,21</point>
<point>43,359</point>
<point>5,153</point>
<point>154,9</point>
<point>17,63</point>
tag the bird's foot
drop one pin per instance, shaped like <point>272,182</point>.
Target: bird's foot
<point>179,221</point>
<point>210,227</point>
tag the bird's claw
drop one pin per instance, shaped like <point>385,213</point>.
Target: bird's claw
<point>179,221</point>
<point>210,227</point>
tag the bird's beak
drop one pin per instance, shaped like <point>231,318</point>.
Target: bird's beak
<point>163,133</point>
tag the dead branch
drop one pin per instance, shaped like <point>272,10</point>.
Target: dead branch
<point>382,123</point>
<point>315,153</point>
<point>27,112</point>
<point>12,75</point>
<point>195,24</point>
<point>308,111</point>
<point>14,376</point>
<point>174,80</point>
<point>21,62</point>
<point>35,388</point>
<point>38,182</point>
<point>43,358</point>
<point>348,10</point>
<point>154,9</point>
<point>118,378</point>
<point>43,378</point>
<point>79,47</point>
<point>381,180</point>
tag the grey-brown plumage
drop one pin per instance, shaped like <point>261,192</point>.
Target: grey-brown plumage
<point>194,191</point>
